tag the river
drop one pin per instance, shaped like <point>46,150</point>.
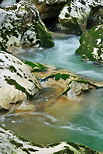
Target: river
<point>81,121</point>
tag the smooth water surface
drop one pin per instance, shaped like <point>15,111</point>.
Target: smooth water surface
<point>53,121</point>
<point>62,55</point>
<point>80,122</point>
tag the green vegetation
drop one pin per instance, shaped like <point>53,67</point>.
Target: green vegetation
<point>16,143</point>
<point>36,67</point>
<point>59,76</point>
<point>44,36</point>
<point>91,44</point>
<point>17,86</point>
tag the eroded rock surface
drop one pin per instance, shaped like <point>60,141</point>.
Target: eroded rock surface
<point>17,83</point>
<point>20,26</point>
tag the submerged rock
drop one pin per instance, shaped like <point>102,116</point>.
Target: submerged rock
<point>21,26</point>
<point>9,143</point>
<point>17,83</point>
<point>91,44</point>
<point>78,15</point>
<point>48,8</point>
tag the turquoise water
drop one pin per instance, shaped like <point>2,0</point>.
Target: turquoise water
<point>80,121</point>
<point>63,56</point>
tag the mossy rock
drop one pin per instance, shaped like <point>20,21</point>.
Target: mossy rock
<point>91,44</point>
<point>76,16</point>
<point>21,26</point>
<point>17,83</point>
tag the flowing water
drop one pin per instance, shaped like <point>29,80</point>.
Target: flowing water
<point>79,121</point>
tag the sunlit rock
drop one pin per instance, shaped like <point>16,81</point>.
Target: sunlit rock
<point>10,143</point>
<point>21,26</point>
<point>64,82</point>
<point>91,44</point>
<point>17,83</point>
<point>78,15</point>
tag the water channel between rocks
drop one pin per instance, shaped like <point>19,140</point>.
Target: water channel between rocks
<point>53,121</point>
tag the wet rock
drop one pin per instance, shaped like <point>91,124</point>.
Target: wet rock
<point>65,82</point>
<point>77,88</point>
<point>9,143</point>
<point>17,83</point>
<point>25,107</point>
<point>21,26</point>
<point>77,14</point>
<point>48,8</point>
<point>91,44</point>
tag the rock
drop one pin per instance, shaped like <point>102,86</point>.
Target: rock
<point>64,82</point>
<point>25,106</point>
<point>48,8</point>
<point>77,14</point>
<point>91,44</point>
<point>10,143</point>
<point>21,26</point>
<point>17,83</point>
<point>76,88</point>
<point>6,2</point>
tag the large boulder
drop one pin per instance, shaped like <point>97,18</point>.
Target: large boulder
<point>77,15</point>
<point>17,83</point>
<point>6,2</point>
<point>21,25</point>
<point>48,8</point>
<point>91,44</point>
<point>10,143</point>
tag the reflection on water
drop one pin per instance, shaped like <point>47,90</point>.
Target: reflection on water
<point>78,121</point>
<point>62,56</point>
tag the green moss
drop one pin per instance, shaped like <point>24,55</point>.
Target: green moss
<point>36,67</point>
<point>59,76</point>
<point>12,69</point>
<point>44,36</point>
<point>65,92</point>
<point>26,150</point>
<point>76,146</point>
<point>17,86</point>
<point>53,144</point>
<point>16,143</point>
<point>82,81</point>
<point>31,149</point>
<point>67,150</point>
<point>1,61</point>
<point>88,42</point>
<point>72,25</point>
